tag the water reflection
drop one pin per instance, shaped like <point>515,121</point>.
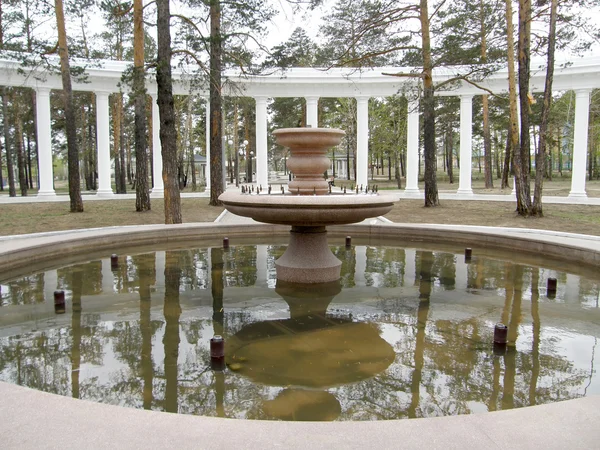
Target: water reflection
<point>405,333</point>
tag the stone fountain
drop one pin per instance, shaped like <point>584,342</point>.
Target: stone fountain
<point>308,206</point>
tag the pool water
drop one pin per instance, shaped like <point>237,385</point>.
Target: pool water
<point>407,332</point>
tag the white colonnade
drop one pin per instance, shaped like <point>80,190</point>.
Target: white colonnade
<point>312,84</point>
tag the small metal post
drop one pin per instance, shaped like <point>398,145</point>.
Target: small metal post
<point>468,254</point>
<point>551,288</point>
<point>59,302</point>
<point>500,334</point>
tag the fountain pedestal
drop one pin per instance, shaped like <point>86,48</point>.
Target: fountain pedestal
<point>307,258</point>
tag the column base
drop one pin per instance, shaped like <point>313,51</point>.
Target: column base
<point>574,194</point>
<point>157,193</point>
<point>105,193</point>
<point>50,193</point>
<point>412,192</point>
<point>464,192</point>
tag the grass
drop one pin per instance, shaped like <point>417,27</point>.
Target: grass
<point>22,218</point>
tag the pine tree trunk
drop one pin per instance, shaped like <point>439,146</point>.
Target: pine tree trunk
<point>487,145</point>
<point>540,156</point>
<point>70,123</point>
<point>21,158</point>
<point>142,191</point>
<point>513,135</point>
<point>449,149</point>
<point>429,150</point>
<point>487,138</point>
<point>507,161</point>
<point>522,153</point>
<point>116,116</point>
<point>1,169</point>
<point>216,120</point>
<point>10,167</point>
<point>190,144</point>
<point>168,133</point>
<point>35,140</point>
<point>150,134</point>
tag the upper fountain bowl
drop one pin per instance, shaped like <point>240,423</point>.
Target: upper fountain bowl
<point>308,202</point>
<point>308,138</point>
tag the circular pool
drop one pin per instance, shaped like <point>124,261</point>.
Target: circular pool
<point>405,318</point>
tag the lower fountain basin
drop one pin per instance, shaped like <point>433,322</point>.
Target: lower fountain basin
<point>308,210</point>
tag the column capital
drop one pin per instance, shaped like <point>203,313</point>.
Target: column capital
<point>312,98</point>
<point>466,98</point>
<point>42,90</point>
<point>362,98</point>
<point>102,93</point>
<point>582,92</point>
<point>261,99</point>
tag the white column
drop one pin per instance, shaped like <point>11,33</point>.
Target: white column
<point>412,148</point>
<point>108,278</point>
<point>262,271</point>
<point>207,110</point>
<point>466,153</point>
<point>572,289</point>
<point>461,273</point>
<point>103,133</point>
<point>360,266</point>
<point>261,165</point>
<point>410,256</point>
<point>161,258</point>
<point>50,285</point>
<point>157,164</point>
<point>580,144</point>
<point>362,141</point>
<point>44,136</point>
<point>312,111</point>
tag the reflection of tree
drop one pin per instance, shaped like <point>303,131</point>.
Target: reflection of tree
<point>348,258</point>
<point>194,268</point>
<point>239,265</point>
<point>147,278</point>
<point>422,312</point>
<point>216,288</point>
<point>171,340</point>
<point>385,266</point>
<point>445,267</point>
<point>25,290</point>
<point>77,286</point>
<point>535,347</point>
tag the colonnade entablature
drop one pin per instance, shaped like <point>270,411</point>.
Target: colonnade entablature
<point>105,77</point>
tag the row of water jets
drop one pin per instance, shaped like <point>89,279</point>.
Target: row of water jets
<point>258,190</point>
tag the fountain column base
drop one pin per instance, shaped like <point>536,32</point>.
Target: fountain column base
<point>308,258</point>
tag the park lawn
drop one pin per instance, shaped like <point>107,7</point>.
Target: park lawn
<point>22,218</point>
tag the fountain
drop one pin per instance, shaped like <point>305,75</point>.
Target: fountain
<point>308,207</point>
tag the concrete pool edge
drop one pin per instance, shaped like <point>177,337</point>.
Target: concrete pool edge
<point>34,419</point>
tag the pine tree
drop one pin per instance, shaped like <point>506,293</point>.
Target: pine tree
<point>73,151</point>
